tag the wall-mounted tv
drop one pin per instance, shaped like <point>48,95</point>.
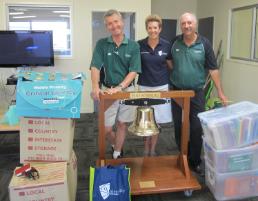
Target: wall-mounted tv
<point>26,48</point>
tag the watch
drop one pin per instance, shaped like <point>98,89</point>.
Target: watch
<point>121,87</point>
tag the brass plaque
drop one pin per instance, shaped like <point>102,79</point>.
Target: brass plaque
<point>135,95</point>
<point>147,184</point>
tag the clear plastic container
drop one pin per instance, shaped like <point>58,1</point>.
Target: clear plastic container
<point>233,126</point>
<point>231,186</point>
<point>231,160</point>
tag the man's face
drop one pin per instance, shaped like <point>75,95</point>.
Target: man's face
<point>114,24</point>
<point>188,24</point>
<point>153,29</point>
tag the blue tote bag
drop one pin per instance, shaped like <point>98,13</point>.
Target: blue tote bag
<point>110,183</point>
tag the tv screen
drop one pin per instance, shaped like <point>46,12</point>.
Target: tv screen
<point>26,48</point>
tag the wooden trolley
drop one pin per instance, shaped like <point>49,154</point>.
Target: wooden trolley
<point>160,174</point>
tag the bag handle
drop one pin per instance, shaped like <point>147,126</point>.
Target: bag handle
<point>121,166</point>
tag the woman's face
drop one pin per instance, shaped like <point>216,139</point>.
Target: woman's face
<point>153,30</point>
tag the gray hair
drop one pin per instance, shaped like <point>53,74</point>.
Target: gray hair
<point>110,13</point>
<point>191,14</point>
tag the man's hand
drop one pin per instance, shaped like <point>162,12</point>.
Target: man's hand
<point>95,93</point>
<point>223,98</point>
<point>113,90</point>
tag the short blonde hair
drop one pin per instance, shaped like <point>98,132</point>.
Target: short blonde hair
<point>153,18</point>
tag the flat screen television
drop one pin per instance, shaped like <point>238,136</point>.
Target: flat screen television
<point>26,48</point>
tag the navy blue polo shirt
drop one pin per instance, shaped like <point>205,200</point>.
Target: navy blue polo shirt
<point>155,71</point>
<point>190,63</point>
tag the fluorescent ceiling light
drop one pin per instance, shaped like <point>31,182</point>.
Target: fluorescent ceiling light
<point>16,13</point>
<point>61,11</point>
<point>64,15</point>
<point>20,9</point>
<point>29,16</point>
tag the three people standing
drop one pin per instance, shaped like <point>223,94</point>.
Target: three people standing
<point>189,56</point>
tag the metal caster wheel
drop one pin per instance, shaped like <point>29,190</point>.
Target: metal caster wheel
<point>188,193</point>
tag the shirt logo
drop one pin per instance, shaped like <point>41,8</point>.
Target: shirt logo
<point>198,51</point>
<point>104,190</point>
<point>160,52</point>
<point>109,54</point>
<point>127,55</point>
<point>177,50</point>
<point>145,53</point>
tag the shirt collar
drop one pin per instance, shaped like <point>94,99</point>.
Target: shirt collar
<point>110,40</point>
<point>198,40</point>
<point>145,41</point>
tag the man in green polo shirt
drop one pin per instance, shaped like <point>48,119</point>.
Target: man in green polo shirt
<point>192,55</point>
<point>120,58</point>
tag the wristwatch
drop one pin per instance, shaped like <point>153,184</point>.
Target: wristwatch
<point>121,87</point>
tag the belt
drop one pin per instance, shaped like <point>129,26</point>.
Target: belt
<point>112,86</point>
<point>177,88</point>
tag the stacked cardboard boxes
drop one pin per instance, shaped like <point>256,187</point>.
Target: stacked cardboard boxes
<point>231,150</point>
<point>46,139</point>
<point>47,104</point>
<point>57,181</point>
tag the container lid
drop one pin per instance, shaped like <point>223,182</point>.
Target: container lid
<point>233,111</point>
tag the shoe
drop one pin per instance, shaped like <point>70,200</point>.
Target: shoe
<point>145,153</point>
<point>198,170</point>
<point>121,154</point>
<point>153,154</point>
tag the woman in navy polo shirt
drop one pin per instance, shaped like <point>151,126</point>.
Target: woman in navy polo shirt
<point>156,61</point>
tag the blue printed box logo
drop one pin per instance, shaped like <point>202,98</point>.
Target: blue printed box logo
<point>57,99</point>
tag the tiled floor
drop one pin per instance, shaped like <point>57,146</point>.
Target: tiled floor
<point>85,146</point>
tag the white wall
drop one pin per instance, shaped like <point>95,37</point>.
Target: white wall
<point>239,78</point>
<point>172,9</point>
<point>81,34</point>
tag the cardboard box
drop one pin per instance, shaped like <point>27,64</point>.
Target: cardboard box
<point>57,181</point>
<point>46,139</point>
<point>48,95</point>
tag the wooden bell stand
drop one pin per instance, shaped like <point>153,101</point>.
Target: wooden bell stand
<point>160,174</point>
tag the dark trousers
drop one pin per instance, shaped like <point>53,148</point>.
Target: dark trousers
<point>197,105</point>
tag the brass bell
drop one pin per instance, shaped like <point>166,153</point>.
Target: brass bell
<point>144,124</point>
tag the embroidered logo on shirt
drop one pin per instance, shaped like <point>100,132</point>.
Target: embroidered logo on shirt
<point>127,55</point>
<point>109,54</point>
<point>198,51</point>
<point>160,52</point>
<point>177,50</point>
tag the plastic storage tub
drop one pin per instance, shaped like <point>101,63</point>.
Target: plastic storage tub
<point>233,126</point>
<point>231,160</point>
<point>230,186</point>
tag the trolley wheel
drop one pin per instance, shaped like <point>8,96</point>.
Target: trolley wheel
<point>188,193</point>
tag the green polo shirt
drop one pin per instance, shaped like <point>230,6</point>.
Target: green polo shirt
<point>190,62</point>
<point>117,61</point>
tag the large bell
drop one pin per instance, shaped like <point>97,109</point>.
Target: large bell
<point>144,124</point>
